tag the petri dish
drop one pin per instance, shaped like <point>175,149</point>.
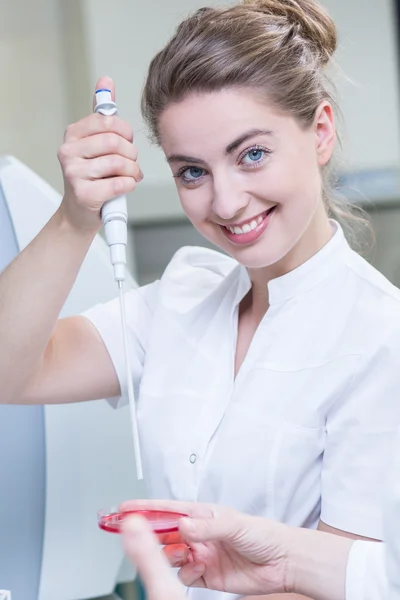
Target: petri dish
<point>162,522</point>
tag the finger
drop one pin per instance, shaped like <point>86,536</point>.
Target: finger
<point>97,192</point>
<point>186,508</point>
<point>104,83</point>
<point>104,167</point>
<point>191,575</point>
<point>94,124</point>
<point>176,554</point>
<point>222,527</point>
<point>101,145</point>
<point>143,549</point>
<point>170,538</point>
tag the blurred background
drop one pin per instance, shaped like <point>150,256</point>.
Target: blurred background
<point>53,51</point>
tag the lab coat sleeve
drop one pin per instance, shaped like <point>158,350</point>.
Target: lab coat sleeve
<point>140,305</point>
<point>366,577</point>
<point>373,570</point>
<point>392,526</point>
<point>361,429</point>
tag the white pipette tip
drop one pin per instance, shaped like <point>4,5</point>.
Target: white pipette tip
<point>131,394</point>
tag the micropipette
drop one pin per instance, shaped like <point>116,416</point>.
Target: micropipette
<point>114,215</point>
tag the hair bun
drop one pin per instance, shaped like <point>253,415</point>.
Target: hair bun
<point>312,20</point>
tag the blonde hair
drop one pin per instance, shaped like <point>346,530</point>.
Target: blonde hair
<point>279,48</point>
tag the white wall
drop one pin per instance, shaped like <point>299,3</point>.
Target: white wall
<point>370,102</point>
<point>32,118</point>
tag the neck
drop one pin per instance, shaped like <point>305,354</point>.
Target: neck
<point>316,236</point>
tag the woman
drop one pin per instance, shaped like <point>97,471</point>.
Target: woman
<point>266,377</point>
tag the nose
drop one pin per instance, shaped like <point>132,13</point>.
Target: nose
<point>228,199</point>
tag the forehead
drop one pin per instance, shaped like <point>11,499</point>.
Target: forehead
<point>213,120</point>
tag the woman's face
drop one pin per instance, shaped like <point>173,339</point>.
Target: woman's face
<point>248,176</point>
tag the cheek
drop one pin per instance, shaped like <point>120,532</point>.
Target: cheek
<point>297,181</point>
<point>195,203</point>
<point>281,183</point>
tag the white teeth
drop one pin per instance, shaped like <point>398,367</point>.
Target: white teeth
<point>247,227</point>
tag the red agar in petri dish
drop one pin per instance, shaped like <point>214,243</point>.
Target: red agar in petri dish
<point>160,521</point>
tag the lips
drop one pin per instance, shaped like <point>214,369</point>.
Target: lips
<point>250,225</point>
<point>246,232</point>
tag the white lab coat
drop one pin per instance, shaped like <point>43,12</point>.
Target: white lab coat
<point>303,431</point>
<point>373,571</point>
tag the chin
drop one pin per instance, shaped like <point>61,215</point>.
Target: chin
<point>261,254</point>
<point>253,257</point>
<point>256,262</point>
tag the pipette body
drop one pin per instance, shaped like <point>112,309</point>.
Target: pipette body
<point>114,213</point>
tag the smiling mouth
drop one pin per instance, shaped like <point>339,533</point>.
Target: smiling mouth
<point>250,225</point>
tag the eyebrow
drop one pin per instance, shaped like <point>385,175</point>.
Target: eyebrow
<point>172,158</point>
<point>244,137</point>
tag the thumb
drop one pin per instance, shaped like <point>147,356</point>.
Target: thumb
<point>218,528</point>
<point>143,549</point>
<point>104,83</point>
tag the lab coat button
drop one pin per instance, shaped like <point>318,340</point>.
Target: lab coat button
<point>193,458</point>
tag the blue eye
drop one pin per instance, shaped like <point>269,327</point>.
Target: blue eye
<point>254,155</point>
<point>191,174</point>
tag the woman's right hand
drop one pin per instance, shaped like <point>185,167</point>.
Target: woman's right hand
<point>98,161</point>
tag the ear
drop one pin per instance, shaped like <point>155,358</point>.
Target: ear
<point>325,132</point>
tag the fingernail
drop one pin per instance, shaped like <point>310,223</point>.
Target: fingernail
<point>133,525</point>
<point>178,554</point>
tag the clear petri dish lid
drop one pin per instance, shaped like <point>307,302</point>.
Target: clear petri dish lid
<point>160,521</point>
